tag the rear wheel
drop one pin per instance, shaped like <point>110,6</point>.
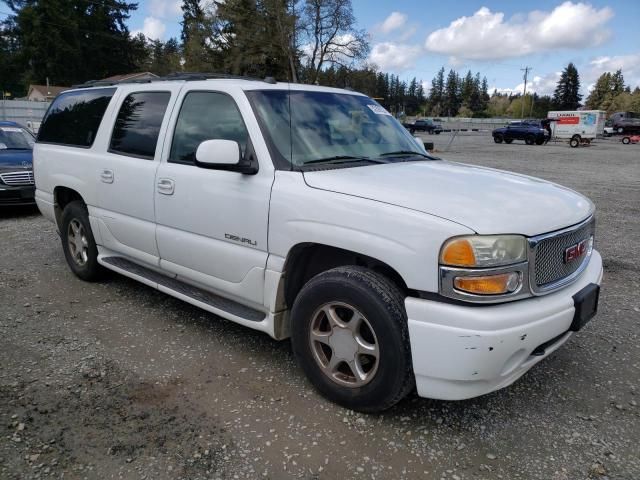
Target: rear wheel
<point>78,243</point>
<point>498,138</point>
<point>626,140</point>
<point>350,336</point>
<point>539,141</point>
<point>620,130</point>
<point>575,141</point>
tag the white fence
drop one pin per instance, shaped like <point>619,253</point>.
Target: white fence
<point>24,112</point>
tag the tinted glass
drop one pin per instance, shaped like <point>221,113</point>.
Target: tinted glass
<point>15,138</point>
<point>138,124</point>
<point>308,126</point>
<point>206,116</point>
<point>74,117</point>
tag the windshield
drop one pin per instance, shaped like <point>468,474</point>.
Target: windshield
<point>15,138</point>
<point>331,127</point>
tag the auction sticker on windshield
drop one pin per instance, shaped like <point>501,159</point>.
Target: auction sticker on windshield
<point>10,129</point>
<point>378,110</point>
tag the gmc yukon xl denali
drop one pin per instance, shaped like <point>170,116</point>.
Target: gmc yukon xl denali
<point>311,213</point>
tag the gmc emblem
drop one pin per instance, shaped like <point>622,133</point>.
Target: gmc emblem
<point>575,251</point>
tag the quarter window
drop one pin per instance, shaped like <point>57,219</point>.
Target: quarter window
<point>74,117</point>
<point>206,116</point>
<point>138,124</point>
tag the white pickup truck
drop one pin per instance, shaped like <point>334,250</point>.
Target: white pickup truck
<point>311,213</point>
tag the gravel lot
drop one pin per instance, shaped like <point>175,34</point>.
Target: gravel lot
<point>116,380</point>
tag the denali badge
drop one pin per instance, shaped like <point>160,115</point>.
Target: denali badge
<point>575,251</point>
<point>236,238</point>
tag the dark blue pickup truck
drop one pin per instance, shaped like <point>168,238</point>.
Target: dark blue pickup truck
<point>529,131</point>
<point>16,165</point>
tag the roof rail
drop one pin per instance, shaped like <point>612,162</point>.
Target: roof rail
<point>186,76</point>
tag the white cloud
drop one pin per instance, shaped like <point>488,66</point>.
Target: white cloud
<point>152,28</point>
<point>540,84</point>
<point>487,35</point>
<point>393,22</point>
<point>394,56</point>
<point>629,64</point>
<point>164,8</point>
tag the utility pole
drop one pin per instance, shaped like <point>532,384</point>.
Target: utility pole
<point>524,93</point>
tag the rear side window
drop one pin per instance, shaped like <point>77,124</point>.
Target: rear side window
<point>138,124</point>
<point>74,117</point>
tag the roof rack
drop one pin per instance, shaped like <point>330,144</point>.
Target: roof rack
<point>186,76</point>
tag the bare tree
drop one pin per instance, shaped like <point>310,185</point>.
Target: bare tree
<point>330,35</point>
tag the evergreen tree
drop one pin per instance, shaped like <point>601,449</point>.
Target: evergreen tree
<point>196,31</point>
<point>436,95</point>
<point>567,93</point>
<point>72,41</point>
<point>451,101</point>
<point>600,91</point>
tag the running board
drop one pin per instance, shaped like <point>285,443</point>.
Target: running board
<point>202,298</point>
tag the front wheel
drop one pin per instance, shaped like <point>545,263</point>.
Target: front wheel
<point>350,336</point>
<point>626,140</point>
<point>78,243</point>
<point>539,141</point>
<point>529,140</point>
<point>498,138</point>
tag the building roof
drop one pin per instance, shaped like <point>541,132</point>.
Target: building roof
<point>50,91</point>
<point>130,76</point>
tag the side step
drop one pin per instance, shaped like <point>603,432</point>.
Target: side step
<point>182,289</point>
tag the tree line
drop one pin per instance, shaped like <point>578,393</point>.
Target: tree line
<point>309,41</point>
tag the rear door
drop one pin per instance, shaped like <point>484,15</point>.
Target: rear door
<point>127,167</point>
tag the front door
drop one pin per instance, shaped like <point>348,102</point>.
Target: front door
<point>212,224</point>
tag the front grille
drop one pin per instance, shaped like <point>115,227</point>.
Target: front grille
<point>548,253</point>
<point>17,178</point>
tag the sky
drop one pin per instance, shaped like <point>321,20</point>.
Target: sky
<point>498,38</point>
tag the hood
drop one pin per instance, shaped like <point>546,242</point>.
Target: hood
<point>15,159</point>
<point>485,200</point>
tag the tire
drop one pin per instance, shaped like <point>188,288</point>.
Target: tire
<point>437,132</point>
<point>498,138</point>
<point>626,140</point>
<point>345,294</point>
<point>575,141</point>
<point>539,141</point>
<point>530,140</point>
<point>508,141</point>
<point>620,130</point>
<point>78,243</point>
<point>412,131</point>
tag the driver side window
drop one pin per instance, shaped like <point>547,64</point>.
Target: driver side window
<point>206,116</point>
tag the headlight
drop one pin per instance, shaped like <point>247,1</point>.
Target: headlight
<point>479,251</point>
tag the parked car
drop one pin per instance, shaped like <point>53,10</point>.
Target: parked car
<point>424,125</point>
<point>311,213</point>
<point>16,170</point>
<point>529,132</point>
<point>625,122</point>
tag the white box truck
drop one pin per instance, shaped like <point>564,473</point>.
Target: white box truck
<point>577,126</point>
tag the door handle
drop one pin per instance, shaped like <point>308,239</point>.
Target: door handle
<point>166,186</point>
<point>106,176</point>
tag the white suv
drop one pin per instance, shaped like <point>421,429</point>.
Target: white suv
<point>311,213</point>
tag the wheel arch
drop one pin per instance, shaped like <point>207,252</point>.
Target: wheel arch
<point>305,260</point>
<point>62,196</point>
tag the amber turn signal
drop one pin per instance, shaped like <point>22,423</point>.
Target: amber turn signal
<point>489,284</point>
<point>459,253</point>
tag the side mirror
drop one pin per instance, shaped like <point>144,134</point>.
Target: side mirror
<point>218,153</point>
<point>221,154</point>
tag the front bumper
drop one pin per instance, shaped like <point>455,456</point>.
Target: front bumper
<point>464,351</point>
<point>17,195</point>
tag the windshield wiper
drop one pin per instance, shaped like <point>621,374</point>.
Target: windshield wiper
<point>337,159</point>
<point>406,152</point>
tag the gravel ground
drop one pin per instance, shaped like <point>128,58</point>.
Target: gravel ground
<point>116,380</point>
